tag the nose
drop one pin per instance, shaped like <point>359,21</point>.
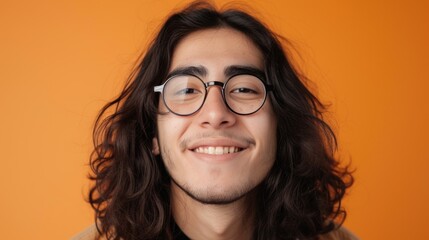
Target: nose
<point>214,113</point>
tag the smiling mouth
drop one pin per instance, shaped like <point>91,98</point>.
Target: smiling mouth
<point>217,150</point>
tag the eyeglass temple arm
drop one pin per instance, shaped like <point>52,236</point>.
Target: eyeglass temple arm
<point>158,88</point>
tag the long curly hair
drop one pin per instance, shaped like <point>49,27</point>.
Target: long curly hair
<point>301,195</point>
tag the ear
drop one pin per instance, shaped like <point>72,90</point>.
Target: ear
<point>155,146</point>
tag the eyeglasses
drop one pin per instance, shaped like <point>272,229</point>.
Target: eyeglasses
<point>184,95</point>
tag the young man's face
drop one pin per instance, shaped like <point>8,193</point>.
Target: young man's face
<point>215,155</point>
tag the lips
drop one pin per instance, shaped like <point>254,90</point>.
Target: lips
<point>218,146</point>
<point>217,150</point>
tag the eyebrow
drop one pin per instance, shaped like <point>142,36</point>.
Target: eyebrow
<point>242,69</point>
<point>198,71</point>
<point>229,71</point>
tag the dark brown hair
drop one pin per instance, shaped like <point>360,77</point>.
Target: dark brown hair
<point>300,197</point>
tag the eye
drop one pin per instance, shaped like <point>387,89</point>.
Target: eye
<point>244,90</point>
<point>188,91</point>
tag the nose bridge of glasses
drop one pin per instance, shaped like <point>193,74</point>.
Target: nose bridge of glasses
<point>214,83</point>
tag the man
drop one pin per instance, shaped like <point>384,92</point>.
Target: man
<point>215,137</point>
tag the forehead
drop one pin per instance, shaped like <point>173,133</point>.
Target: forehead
<point>216,49</point>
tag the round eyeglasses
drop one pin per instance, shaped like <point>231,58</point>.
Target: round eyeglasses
<point>184,95</point>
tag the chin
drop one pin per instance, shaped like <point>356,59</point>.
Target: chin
<point>213,195</point>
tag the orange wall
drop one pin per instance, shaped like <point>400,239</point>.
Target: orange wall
<point>60,61</point>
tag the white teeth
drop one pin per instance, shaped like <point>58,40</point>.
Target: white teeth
<point>211,150</point>
<point>216,150</point>
<point>232,149</point>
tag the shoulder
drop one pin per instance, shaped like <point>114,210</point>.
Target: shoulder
<point>339,234</point>
<point>89,233</point>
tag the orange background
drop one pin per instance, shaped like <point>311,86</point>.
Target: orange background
<point>60,61</point>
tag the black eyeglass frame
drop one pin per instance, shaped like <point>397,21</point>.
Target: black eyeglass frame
<point>160,89</point>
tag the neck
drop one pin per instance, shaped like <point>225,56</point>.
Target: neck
<point>213,221</point>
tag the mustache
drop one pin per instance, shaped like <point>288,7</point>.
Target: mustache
<point>200,136</point>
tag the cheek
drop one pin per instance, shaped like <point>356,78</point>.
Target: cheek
<point>166,133</point>
<point>166,129</point>
<point>170,130</point>
<point>265,125</point>
<point>265,131</point>
<point>169,125</point>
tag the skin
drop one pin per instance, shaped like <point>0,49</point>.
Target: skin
<point>212,194</point>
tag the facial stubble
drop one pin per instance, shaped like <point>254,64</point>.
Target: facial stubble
<point>209,195</point>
